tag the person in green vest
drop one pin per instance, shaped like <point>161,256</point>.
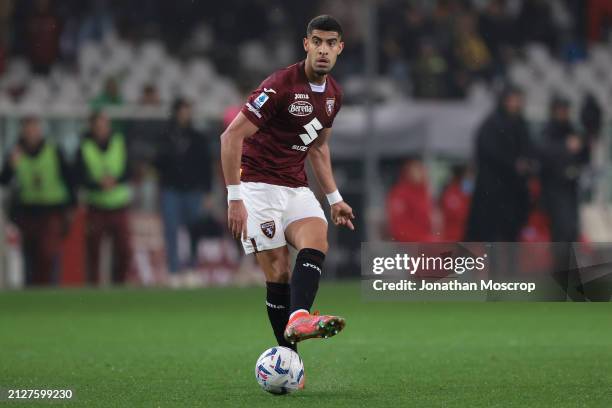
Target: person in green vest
<point>42,201</point>
<point>103,170</point>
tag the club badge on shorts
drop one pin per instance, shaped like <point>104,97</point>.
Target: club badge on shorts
<point>268,228</point>
<point>329,105</point>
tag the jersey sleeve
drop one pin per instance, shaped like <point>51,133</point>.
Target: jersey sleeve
<point>264,102</point>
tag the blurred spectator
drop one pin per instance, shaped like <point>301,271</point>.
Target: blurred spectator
<point>591,117</point>
<point>102,165</point>
<point>150,96</point>
<point>497,28</point>
<point>563,155</point>
<point>43,33</point>
<point>537,24</point>
<point>500,203</point>
<point>441,25</point>
<point>455,204</point>
<point>185,170</point>
<point>6,14</point>
<point>110,95</point>
<point>400,37</point>
<point>41,206</point>
<point>409,205</point>
<point>430,73</point>
<point>471,50</point>
<point>600,19</point>
<point>97,23</point>
<point>144,133</point>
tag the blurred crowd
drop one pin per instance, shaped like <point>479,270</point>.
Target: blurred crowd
<point>523,184</point>
<point>520,187</point>
<point>433,49</point>
<point>48,188</point>
<point>442,48</point>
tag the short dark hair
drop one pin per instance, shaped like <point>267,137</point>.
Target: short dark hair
<point>324,22</point>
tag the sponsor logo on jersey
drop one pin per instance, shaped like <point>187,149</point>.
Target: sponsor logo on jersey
<point>268,228</point>
<point>300,108</point>
<point>300,148</point>
<point>252,109</point>
<point>269,90</point>
<point>301,96</point>
<point>330,103</point>
<point>260,100</point>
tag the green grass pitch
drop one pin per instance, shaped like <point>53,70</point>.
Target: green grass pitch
<point>149,348</point>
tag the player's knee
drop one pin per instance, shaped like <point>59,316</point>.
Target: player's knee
<point>319,245</point>
<point>322,246</point>
<point>279,271</point>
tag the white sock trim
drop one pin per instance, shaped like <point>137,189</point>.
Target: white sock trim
<point>298,311</point>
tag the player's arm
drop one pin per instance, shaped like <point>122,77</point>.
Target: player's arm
<point>231,155</point>
<point>320,160</point>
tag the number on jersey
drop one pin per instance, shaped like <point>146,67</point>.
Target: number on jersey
<point>311,134</point>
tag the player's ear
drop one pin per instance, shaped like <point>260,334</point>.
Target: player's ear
<point>341,45</point>
<point>306,44</point>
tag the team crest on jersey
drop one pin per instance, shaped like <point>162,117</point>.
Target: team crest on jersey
<point>330,103</point>
<point>300,108</point>
<point>268,228</point>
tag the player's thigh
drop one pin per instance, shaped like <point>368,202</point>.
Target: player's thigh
<point>308,233</point>
<point>304,221</point>
<point>275,264</point>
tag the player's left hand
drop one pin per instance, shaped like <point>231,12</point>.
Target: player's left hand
<point>342,214</point>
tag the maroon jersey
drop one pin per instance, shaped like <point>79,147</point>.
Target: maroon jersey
<point>289,115</point>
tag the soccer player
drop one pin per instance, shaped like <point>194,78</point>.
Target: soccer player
<point>285,121</point>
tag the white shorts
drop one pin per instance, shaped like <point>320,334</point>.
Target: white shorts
<point>270,209</point>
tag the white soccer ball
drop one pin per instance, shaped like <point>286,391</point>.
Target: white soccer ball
<point>279,370</point>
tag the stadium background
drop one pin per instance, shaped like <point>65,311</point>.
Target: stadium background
<point>419,79</point>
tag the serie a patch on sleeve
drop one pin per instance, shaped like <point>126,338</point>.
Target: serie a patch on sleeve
<point>260,100</point>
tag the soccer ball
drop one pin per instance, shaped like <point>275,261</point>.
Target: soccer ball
<point>279,370</point>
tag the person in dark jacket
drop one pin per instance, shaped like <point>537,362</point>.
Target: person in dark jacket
<point>103,169</point>
<point>563,155</point>
<point>500,202</point>
<point>185,171</point>
<point>591,117</point>
<point>43,200</point>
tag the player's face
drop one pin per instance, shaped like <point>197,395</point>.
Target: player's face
<point>322,49</point>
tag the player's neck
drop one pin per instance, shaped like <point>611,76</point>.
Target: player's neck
<point>313,77</point>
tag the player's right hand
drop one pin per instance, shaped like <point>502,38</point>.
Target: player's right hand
<point>237,219</point>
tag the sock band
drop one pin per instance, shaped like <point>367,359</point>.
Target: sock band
<point>280,288</point>
<point>278,303</point>
<point>305,278</point>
